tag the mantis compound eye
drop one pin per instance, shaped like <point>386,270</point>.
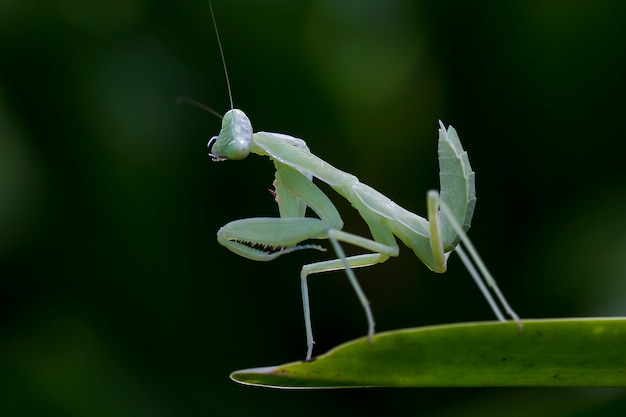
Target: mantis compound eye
<point>235,138</point>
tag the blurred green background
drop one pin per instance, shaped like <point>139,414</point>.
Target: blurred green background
<point>116,298</point>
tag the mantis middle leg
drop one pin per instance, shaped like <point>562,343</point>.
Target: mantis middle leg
<point>380,254</point>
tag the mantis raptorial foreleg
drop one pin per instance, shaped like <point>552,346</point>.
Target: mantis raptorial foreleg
<point>292,187</point>
<point>432,239</point>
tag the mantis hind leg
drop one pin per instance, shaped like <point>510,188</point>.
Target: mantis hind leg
<point>347,263</point>
<point>473,263</point>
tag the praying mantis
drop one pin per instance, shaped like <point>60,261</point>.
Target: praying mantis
<point>433,239</point>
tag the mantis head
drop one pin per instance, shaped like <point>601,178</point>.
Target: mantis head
<point>235,138</point>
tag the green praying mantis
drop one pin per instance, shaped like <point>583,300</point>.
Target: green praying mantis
<point>433,239</point>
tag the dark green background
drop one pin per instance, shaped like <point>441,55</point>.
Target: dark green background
<point>115,297</point>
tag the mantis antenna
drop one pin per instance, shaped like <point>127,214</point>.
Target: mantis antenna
<point>185,99</point>
<point>219,43</point>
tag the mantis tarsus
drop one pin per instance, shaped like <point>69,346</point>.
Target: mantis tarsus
<point>433,240</point>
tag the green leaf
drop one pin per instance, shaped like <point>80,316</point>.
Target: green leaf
<point>588,352</point>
